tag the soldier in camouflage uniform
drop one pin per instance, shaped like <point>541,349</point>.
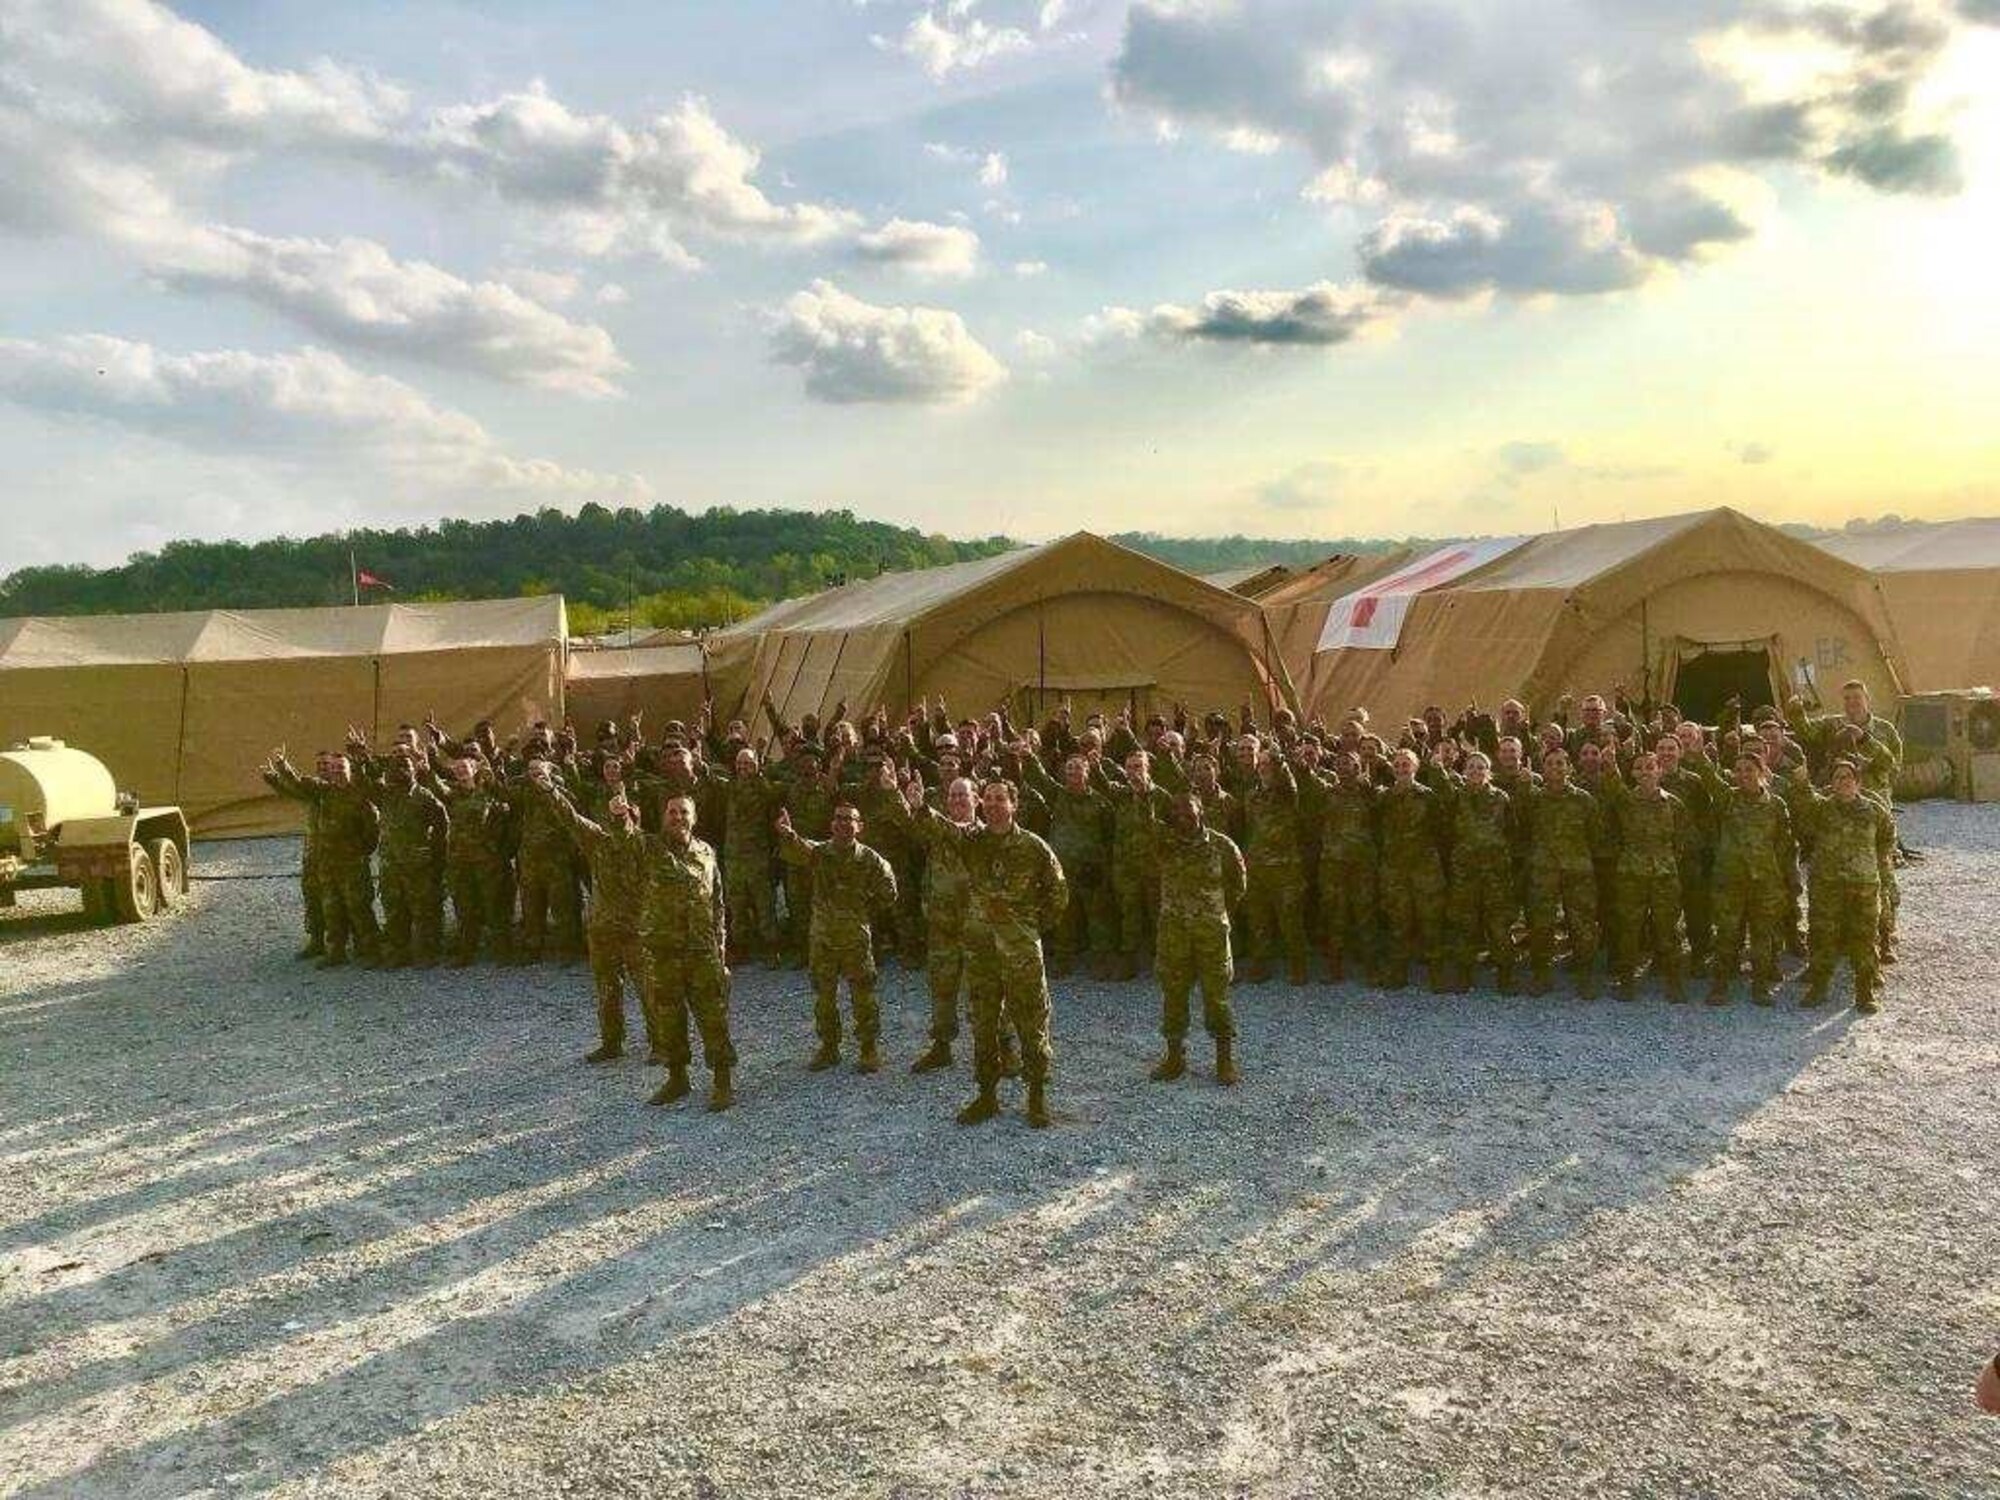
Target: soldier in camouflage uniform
<point>545,870</point>
<point>1080,832</point>
<point>851,884</point>
<point>1412,876</point>
<point>1481,822</point>
<point>1138,810</point>
<point>686,932</point>
<point>1857,733</point>
<point>946,885</point>
<point>620,864</point>
<point>476,864</point>
<point>1513,775</point>
<point>348,831</point>
<point>1348,861</point>
<point>1274,851</point>
<point>414,830</point>
<point>1564,835</point>
<point>1695,782</point>
<point>809,795</point>
<point>1202,877</point>
<point>1017,889</point>
<point>1753,846</point>
<point>749,847</point>
<point>1851,830</point>
<point>309,902</point>
<point>879,798</point>
<point>1653,834</point>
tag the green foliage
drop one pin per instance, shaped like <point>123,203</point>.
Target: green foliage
<point>1213,554</point>
<point>661,566</point>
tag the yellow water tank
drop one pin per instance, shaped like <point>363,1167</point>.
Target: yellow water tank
<point>44,783</point>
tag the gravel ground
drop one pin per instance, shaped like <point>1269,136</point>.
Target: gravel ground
<point>269,1230</point>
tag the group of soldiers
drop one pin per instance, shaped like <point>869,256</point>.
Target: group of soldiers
<point>1606,836</point>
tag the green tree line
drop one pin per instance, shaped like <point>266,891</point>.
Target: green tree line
<point>660,567</point>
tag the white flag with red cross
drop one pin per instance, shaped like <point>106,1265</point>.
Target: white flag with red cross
<point>1371,618</point>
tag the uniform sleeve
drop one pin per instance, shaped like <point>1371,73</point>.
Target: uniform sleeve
<point>1235,878</point>
<point>1054,888</point>
<point>884,882</point>
<point>796,850</point>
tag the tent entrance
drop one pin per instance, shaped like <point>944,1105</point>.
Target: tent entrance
<point>1706,674</point>
<point>1110,696</point>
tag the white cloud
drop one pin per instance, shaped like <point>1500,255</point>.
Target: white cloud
<point>993,169</point>
<point>611,294</point>
<point>852,351</point>
<point>943,42</point>
<point>1322,314</point>
<point>1030,268</point>
<point>1547,146</point>
<point>926,249</point>
<point>550,287</point>
<point>309,411</point>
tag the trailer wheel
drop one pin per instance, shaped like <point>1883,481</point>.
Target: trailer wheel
<point>169,872</point>
<point>137,896</point>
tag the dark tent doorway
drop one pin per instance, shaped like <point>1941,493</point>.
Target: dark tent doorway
<point>1707,674</point>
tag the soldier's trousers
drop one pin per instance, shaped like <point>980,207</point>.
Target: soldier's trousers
<point>836,956</point>
<point>798,909</point>
<point>1888,902</point>
<point>753,905</point>
<point>1348,910</point>
<point>617,959</point>
<point>479,902</point>
<point>309,897</point>
<point>909,910</point>
<point>1846,920</point>
<point>692,982</point>
<point>1481,905</point>
<point>1570,895</point>
<point>1008,983</point>
<point>1649,913</point>
<point>1695,906</point>
<point>1412,916</point>
<point>1138,895</point>
<point>1089,921</point>
<point>1607,903</point>
<point>550,897</point>
<point>1192,952</point>
<point>347,897</point>
<point>1753,908</point>
<point>410,915</point>
<point>1275,900</point>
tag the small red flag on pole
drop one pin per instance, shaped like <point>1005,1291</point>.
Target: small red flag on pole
<point>367,580</point>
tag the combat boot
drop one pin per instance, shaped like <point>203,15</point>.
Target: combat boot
<point>984,1106</point>
<point>313,949</point>
<point>1010,1056</point>
<point>1586,985</point>
<point>676,1086</point>
<point>1815,994</point>
<point>1760,993</point>
<point>393,961</point>
<point>1865,1000</point>
<point>1226,1072</point>
<point>1336,969</point>
<point>604,1052</point>
<point>462,959</point>
<point>720,1094</point>
<point>1260,971</point>
<point>1624,988</point>
<point>1173,1064</point>
<point>1539,980</point>
<point>1038,1105</point>
<point>870,1060</point>
<point>333,958</point>
<point>1885,948</point>
<point>1718,990</point>
<point>1676,988</point>
<point>1128,966</point>
<point>1295,973</point>
<point>828,1056</point>
<point>1503,980</point>
<point>938,1056</point>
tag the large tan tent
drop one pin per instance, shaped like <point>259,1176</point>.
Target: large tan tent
<point>662,682</point>
<point>1693,606</point>
<point>1081,617</point>
<point>1297,608</point>
<point>1942,586</point>
<point>183,707</point>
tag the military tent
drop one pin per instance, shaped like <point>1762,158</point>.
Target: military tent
<point>1081,617</point>
<point>1694,607</point>
<point>183,707</point>
<point>1297,608</point>
<point>1942,586</point>
<point>664,682</point>
<point>1251,580</point>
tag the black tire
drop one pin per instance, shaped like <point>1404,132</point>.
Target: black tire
<point>170,879</point>
<point>137,896</point>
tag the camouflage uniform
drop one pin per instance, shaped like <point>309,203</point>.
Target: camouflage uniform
<point>1653,833</point>
<point>1274,851</point>
<point>1412,883</point>
<point>621,861</point>
<point>1697,790</point>
<point>1565,835</point>
<point>1347,874</point>
<point>414,828</point>
<point>1519,785</point>
<point>1016,889</point>
<point>946,887</point>
<point>1848,842</point>
<point>1201,877</point>
<point>809,799</point>
<point>1481,824</point>
<point>1137,818</point>
<point>1753,846</point>
<point>1080,832</point>
<point>348,831</point>
<point>849,886</point>
<point>887,821</point>
<point>1881,757</point>
<point>476,867</point>
<point>545,872</point>
<point>748,850</point>
<point>309,899</point>
<point>686,931</point>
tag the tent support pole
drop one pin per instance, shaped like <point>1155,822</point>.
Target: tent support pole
<point>181,735</point>
<point>1041,661</point>
<point>375,718</point>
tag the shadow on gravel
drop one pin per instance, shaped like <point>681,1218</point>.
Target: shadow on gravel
<point>500,1220</point>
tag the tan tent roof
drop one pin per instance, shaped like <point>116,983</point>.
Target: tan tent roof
<point>1603,604</point>
<point>277,634</point>
<point>1252,581</point>
<point>635,661</point>
<point>1081,615</point>
<point>1942,585</point>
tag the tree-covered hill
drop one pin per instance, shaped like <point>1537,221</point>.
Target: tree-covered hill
<point>672,567</point>
<point>1215,554</point>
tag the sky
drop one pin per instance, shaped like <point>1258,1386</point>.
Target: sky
<point>1279,267</point>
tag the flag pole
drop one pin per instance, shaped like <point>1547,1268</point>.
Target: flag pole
<point>354,577</point>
